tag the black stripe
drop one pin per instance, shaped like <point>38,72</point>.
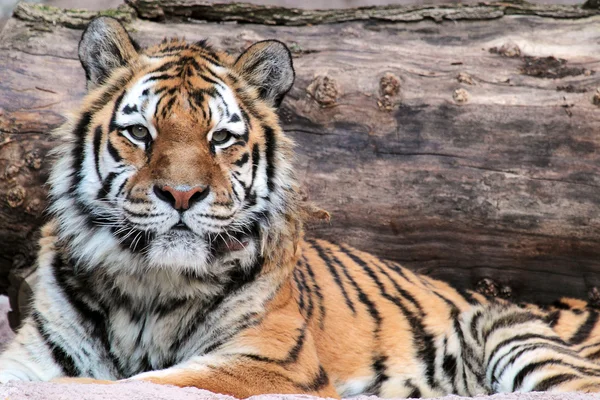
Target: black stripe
<point>530,368</point>
<point>122,185</point>
<point>247,126</point>
<point>238,279</point>
<point>93,319</point>
<point>167,66</point>
<point>317,291</point>
<point>97,141</point>
<point>308,293</point>
<point>160,77</point>
<point>168,107</point>
<point>130,109</point>
<point>110,92</point>
<point>217,217</point>
<point>319,382</point>
<point>60,356</point>
<point>509,321</point>
<point>379,368</point>
<point>401,290</point>
<point>466,355</point>
<point>525,336</point>
<point>553,318</point>
<point>474,325</point>
<point>114,153</point>
<point>584,331</point>
<point>270,149</point>
<point>234,176</point>
<point>522,349</point>
<point>255,163</point>
<point>78,154</point>
<point>209,80</point>
<point>294,352</point>
<point>424,341</point>
<point>593,356</point>
<point>106,186</point>
<point>132,239</point>
<point>218,338</point>
<point>113,124</point>
<point>449,366</point>
<point>243,160</point>
<point>333,271</point>
<point>553,381</point>
<point>301,290</point>
<point>415,392</point>
<point>143,214</point>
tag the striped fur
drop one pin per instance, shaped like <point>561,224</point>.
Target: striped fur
<point>225,294</point>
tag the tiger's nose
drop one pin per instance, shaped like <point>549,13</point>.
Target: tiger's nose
<point>181,200</point>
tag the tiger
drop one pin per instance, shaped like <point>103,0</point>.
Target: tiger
<point>174,253</point>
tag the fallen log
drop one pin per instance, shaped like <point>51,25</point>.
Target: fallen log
<point>460,140</point>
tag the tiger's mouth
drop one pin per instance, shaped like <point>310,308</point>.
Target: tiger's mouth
<point>225,242</point>
<point>181,226</point>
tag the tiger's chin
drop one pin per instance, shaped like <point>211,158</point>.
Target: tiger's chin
<point>182,250</point>
<point>203,256</point>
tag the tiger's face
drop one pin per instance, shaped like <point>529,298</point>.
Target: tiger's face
<point>177,159</point>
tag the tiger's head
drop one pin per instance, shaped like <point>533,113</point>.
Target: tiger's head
<point>176,158</point>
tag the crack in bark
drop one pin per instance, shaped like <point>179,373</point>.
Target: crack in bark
<point>13,48</point>
<point>514,174</point>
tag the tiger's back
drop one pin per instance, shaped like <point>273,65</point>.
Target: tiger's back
<point>381,329</point>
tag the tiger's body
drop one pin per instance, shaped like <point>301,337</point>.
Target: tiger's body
<point>175,255</point>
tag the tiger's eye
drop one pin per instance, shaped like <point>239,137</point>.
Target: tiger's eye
<point>220,137</point>
<point>139,132</point>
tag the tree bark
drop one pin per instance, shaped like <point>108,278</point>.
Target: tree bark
<point>463,143</point>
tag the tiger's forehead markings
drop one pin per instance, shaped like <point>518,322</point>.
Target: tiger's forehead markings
<point>137,106</point>
<point>226,111</point>
<point>204,96</point>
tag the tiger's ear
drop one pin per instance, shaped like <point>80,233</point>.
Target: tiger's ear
<point>267,65</point>
<point>104,46</point>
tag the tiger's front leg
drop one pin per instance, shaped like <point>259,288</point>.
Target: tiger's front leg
<point>243,376</point>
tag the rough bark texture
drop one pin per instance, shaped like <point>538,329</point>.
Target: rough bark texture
<point>272,15</point>
<point>465,149</point>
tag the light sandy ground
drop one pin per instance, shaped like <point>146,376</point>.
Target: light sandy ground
<point>143,391</point>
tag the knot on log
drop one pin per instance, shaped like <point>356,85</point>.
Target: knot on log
<point>16,196</point>
<point>596,98</point>
<point>491,289</point>
<point>324,90</point>
<point>460,96</point>
<point>11,171</point>
<point>389,84</point>
<point>540,67</point>
<point>389,87</point>
<point>33,159</point>
<point>34,207</point>
<point>509,49</point>
<point>463,77</point>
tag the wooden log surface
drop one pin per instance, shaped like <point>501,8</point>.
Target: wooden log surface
<point>466,148</point>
